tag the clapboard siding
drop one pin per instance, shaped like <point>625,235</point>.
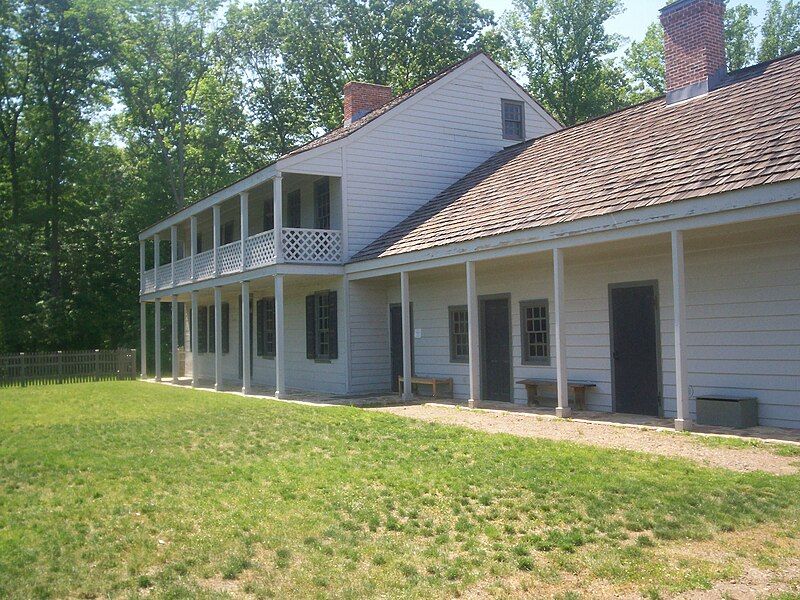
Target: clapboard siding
<point>408,157</point>
<point>743,316</point>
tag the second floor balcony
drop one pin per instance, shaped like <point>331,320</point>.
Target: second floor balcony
<point>309,200</point>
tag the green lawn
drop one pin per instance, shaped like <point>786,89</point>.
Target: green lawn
<point>121,488</point>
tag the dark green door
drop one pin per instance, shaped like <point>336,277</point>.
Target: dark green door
<point>496,349</point>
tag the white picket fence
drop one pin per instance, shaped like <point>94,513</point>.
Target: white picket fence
<point>30,368</point>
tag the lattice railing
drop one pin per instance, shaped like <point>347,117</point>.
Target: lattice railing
<point>312,245</point>
<point>259,250</point>
<point>230,258</point>
<point>149,280</point>
<point>183,271</point>
<point>164,277</point>
<point>204,265</point>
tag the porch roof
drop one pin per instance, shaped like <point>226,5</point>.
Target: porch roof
<point>743,134</point>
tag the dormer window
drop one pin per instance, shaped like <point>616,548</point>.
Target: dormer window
<point>513,119</point>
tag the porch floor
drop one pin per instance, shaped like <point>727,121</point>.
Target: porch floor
<point>769,434</point>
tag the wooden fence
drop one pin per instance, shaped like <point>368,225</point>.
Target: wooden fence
<point>66,367</point>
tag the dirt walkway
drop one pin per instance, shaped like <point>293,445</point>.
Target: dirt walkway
<point>608,436</point>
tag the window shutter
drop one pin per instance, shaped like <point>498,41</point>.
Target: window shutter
<point>334,325</point>
<point>212,330</point>
<point>311,327</point>
<point>202,329</point>
<point>260,327</point>
<point>226,309</point>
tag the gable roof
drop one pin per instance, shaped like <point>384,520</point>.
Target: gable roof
<point>745,133</point>
<point>344,131</point>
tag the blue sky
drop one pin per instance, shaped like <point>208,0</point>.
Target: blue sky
<point>638,14</point>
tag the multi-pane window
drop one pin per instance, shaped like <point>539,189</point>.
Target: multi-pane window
<point>265,324</point>
<point>513,119</point>
<point>459,334</point>
<point>535,332</point>
<point>322,326</point>
<point>269,216</point>
<point>322,204</point>
<point>293,207</point>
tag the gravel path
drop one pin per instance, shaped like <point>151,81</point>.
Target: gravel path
<point>607,436</point>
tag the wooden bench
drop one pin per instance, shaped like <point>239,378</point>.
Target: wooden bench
<point>578,388</point>
<point>434,382</point>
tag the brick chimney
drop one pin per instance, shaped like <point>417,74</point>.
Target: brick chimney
<point>694,47</point>
<point>361,98</point>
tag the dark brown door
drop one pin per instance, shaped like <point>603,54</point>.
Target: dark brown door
<point>496,349</point>
<point>396,341</point>
<point>634,349</point>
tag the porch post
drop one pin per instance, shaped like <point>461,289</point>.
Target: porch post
<point>193,241</point>
<point>280,354</point>
<point>245,337</point>
<point>217,338</point>
<point>215,213</point>
<point>157,339</point>
<point>174,332</point>
<point>277,200</point>
<point>173,250</point>
<point>156,259</point>
<point>683,422</point>
<point>195,339</point>
<point>406,319</point>
<point>562,410</point>
<point>473,335</point>
<point>141,265</point>
<point>143,336</point>
<point>245,224</point>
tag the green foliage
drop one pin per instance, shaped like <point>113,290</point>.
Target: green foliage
<point>563,49</point>
<point>113,487</point>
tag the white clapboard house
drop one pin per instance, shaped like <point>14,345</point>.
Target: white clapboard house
<point>458,231</point>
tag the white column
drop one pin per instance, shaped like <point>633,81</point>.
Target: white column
<point>195,340</point>
<point>193,242</point>
<point>216,225</point>
<point>173,250</point>
<point>141,265</point>
<point>562,410</point>
<point>245,224</point>
<point>406,321</point>
<point>246,337</point>
<point>156,259</point>
<point>474,337</point>
<point>174,340</point>
<point>277,199</point>
<point>280,353</point>
<point>217,338</point>
<point>157,339</point>
<point>683,422</point>
<point>143,335</point>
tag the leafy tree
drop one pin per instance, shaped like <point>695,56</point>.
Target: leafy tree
<point>780,32</point>
<point>563,49</point>
<point>740,36</point>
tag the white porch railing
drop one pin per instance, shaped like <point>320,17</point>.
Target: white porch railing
<point>259,250</point>
<point>312,245</point>
<point>164,276</point>
<point>230,258</point>
<point>183,271</point>
<point>149,280</point>
<point>204,265</point>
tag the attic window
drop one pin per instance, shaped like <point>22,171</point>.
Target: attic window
<point>513,119</point>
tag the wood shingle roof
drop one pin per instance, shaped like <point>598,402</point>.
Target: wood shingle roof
<point>743,134</point>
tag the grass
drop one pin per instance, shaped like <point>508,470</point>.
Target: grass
<point>744,443</point>
<point>124,488</point>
